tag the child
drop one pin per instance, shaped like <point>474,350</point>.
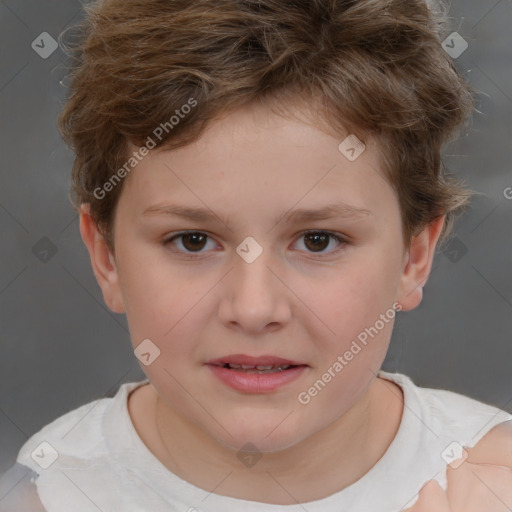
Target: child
<point>261,191</point>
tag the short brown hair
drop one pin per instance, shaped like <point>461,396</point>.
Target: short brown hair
<point>367,66</point>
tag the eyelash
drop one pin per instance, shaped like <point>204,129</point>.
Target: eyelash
<point>192,255</point>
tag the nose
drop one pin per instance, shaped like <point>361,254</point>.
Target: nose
<point>254,298</point>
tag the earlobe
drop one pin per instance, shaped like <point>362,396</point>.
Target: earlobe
<point>417,265</point>
<point>102,261</point>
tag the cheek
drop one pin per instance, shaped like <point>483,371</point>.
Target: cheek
<point>164,315</point>
<point>356,295</point>
<point>358,306</point>
<point>159,297</point>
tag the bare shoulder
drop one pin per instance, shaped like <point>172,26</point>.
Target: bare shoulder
<point>482,483</point>
<point>18,492</point>
<point>494,448</point>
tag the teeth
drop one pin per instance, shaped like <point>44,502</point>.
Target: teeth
<point>248,368</point>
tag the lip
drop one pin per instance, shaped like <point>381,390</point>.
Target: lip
<point>251,360</point>
<point>255,382</point>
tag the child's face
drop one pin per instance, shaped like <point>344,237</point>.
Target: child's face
<point>292,302</point>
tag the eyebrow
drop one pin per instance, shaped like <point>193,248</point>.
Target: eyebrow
<point>334,210</point>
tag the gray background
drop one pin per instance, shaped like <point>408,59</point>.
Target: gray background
<point>60,347</point>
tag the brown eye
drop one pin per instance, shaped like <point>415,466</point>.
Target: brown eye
<point>188,242</point>
<point>194,241</point>
<point>319,242</point>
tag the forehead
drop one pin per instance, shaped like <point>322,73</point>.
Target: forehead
<point>254,158</point>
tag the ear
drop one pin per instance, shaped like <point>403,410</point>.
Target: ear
<point>417,265</point>
<point>102,260</point>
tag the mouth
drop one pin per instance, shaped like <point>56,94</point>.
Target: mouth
<point>250,364</point>
<point>261,369</point>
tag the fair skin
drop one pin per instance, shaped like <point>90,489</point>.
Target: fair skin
<point>198,302</point>
<point>482,483</point>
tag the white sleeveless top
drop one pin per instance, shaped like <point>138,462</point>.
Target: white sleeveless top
<point>102,464</point>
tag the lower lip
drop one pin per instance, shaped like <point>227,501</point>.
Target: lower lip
<point>256,382</point>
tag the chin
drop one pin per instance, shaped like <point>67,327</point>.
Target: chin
<point>266,436</point>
